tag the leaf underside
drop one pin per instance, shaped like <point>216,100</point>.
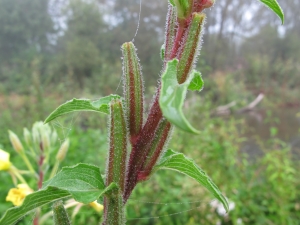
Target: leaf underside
<point>172,97</point>
<point>179,162</point>
<point>101,105</point>
<point>197,82</point>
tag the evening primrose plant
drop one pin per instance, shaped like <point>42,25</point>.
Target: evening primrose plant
<point>42,156</point>
<point>137,140</point>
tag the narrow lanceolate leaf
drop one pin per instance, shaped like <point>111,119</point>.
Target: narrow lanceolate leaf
<point>82,181</point>
<point>32,202</point>
<point>172,96</point>
<point>188,53</point>
<point>133,88</point>
<point>156,148</point>
<point>275,7</point>
<point>60,215</point>
<point>170,32</point>
<point>117,146</point>
<point>178,162</point>
<point>75,105</point>
<point>197,82</point>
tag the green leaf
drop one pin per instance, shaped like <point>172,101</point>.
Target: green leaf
<point>101,105</point>
<point>82,181</point>
<point>172,2</point>
<point>197,83</point>
<point>179,162</point>
<point>273,5</point>
<point>31,202</point>
<point>172,96</point>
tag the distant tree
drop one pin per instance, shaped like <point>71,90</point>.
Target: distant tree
<point>79,47</point>
<point>24,24</point>
<point>25,31</point>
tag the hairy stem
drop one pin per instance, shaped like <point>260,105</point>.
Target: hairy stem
<point>116,167</point>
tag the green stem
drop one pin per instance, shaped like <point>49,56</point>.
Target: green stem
<point>15,171</point>
<point>54,170</point>
<point>114,209</point>
<point>27,162</point>
<point>116,167</point>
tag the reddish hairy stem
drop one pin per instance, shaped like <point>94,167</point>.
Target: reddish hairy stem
<point>41,173</point>
<point>143,175</point>
<point>36,221</point>
<point>138,153</point>
<point>139,150</point>
<point>178,38</point>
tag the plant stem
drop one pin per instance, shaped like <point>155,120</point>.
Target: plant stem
<point>114,209</point>
<point>138,153</point>
<point>116,166</point>
<point>15,171</point>
<point>145,137</point>
<point>54,169</point>
<point>27,162</point>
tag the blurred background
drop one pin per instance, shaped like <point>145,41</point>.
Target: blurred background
<point>248,112</point>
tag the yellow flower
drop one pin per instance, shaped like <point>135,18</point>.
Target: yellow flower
<point>17,195</point>
<point>4,160</point>
<point>98,207</point>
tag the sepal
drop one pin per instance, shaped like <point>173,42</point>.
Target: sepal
<point>156,148</point>
<point>116,167</point>
<point>188,52</point>
<point>133,89</point>
<point>170,33</point>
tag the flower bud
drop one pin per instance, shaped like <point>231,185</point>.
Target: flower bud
<point>36,134</point>
<point>117,145</point>
<point>199,5</point>
<point>44,131</point>
<point>4,160</point>
<point>184,8</point>
<point>60,215</point>
<point>133,89</point>
<point>187,54</point>
<point>53,138</point>
<point>62,152</point>
<point>27,136</point>
<point>15,141</point>
<point>45,140</point>
<point>116,167</point>
<point>170,33</point>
